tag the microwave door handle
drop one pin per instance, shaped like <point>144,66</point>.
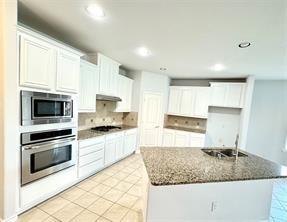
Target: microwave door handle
<point>32,147</point>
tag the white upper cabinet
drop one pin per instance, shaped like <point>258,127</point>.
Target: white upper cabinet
<point>189,101</point>
<point>174,100</point>
<point>37,63</point>
<point>186,101</point>
<point>89,86</point>
<point>68,68</point>
<point>201,102</point>
<point>124,91</point>
<point>228,94</point>
<point>47,64</point>
<point>109,71</point>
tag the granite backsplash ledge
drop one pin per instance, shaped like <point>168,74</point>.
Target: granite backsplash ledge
<point>185,122</point>
<point>105,115</point>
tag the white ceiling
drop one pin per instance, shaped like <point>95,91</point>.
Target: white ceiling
<point>185,36</point>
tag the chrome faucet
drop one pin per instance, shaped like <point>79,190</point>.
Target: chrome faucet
<point>236,146</point>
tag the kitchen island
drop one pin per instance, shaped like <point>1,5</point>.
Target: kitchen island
<point>187,184</point>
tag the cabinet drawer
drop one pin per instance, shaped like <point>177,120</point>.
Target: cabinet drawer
<point>114,135</point>
<point>91,157</point>
<point>92,141</point>
<point>91,168</point>
<point>90,149</point>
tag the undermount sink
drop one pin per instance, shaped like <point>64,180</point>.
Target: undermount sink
<point>223,153</point>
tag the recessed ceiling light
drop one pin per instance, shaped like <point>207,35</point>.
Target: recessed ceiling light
<point>162,69</point>
<point>143,51</point>
<point>95,11</point>
<point>217,67</point>
<point>244,44</point>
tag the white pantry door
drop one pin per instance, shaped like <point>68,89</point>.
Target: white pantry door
<point>151,120</point>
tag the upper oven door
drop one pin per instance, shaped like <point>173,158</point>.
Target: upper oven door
<point>51,108</point>
<point>42,159</point>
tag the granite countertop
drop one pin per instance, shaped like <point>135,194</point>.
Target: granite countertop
<point>172,166</point>
<point>87,134</point>
<point>193,130</point>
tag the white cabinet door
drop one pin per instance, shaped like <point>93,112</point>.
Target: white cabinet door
<point>168,138</point>
<point>228,94</point>
<point>89,82</point>
<point>37,63</point>
<point>130,141</point>
<point>104,70</point>
<point>109,71</point>
<point>181,139</point>
<point>68,69</point>
<point>114,73</point>
<point>201,103</point>
<point>218,93</point>
<point>110,151</point>
<point>124,91</point>
<point>129,92</point>
<point>187,101</point>
<point>120,147</point>
<point>235,95</point>
<point>174,100</point>
<point>197,140</point>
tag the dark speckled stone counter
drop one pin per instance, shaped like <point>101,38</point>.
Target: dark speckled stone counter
<point>172,166</point>
<point>193,130</point>
<point>87,134</point>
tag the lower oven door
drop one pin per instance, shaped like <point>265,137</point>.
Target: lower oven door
<point>42,159</point>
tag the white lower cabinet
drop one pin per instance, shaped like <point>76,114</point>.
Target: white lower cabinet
<point>114,147</point>
<point>91,155</point>
<point>168,137</point>
<point>130,141</point>
<point>100,152</point>
<point>179,138</point>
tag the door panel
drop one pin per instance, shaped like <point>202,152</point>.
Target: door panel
<point>187,102</point>
<point>37,63</point>
<point>151,119</point>
<point>68,69</point>
<point>174,100</point>
<point>201,102</point>
<point>182,139</point>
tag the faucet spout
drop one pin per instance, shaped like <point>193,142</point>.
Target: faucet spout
<point>236,146</point>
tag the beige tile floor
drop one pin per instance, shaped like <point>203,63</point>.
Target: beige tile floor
<point>113,194</point>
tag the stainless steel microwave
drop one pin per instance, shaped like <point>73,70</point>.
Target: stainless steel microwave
<point>44,108</point>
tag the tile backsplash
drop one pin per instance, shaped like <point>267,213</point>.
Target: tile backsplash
<point>105,115</point>
<point>187,122</point>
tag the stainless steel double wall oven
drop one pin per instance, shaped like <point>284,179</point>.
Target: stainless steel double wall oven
<point>46,151</point>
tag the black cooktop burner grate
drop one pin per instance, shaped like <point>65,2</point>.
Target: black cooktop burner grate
<point>105,128</point>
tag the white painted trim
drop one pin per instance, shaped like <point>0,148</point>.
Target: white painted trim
<point>10,219</point>
<point>32,32</point>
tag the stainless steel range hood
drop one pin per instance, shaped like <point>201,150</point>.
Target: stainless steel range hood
<point>108,98</point>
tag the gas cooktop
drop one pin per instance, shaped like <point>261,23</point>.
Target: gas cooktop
<point>105,128</point>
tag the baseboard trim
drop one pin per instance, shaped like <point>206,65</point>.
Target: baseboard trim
<point>10,219</point>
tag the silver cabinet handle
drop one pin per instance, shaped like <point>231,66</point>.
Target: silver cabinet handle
<point>157,127</point>
<point>41,145</point>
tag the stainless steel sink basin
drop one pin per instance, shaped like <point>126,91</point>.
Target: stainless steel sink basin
<point>223,153</point>
<point>232,153</point>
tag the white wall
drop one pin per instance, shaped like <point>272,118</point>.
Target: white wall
<point>222,127</point>
<point>268,121</point>
<point>9,116</point>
